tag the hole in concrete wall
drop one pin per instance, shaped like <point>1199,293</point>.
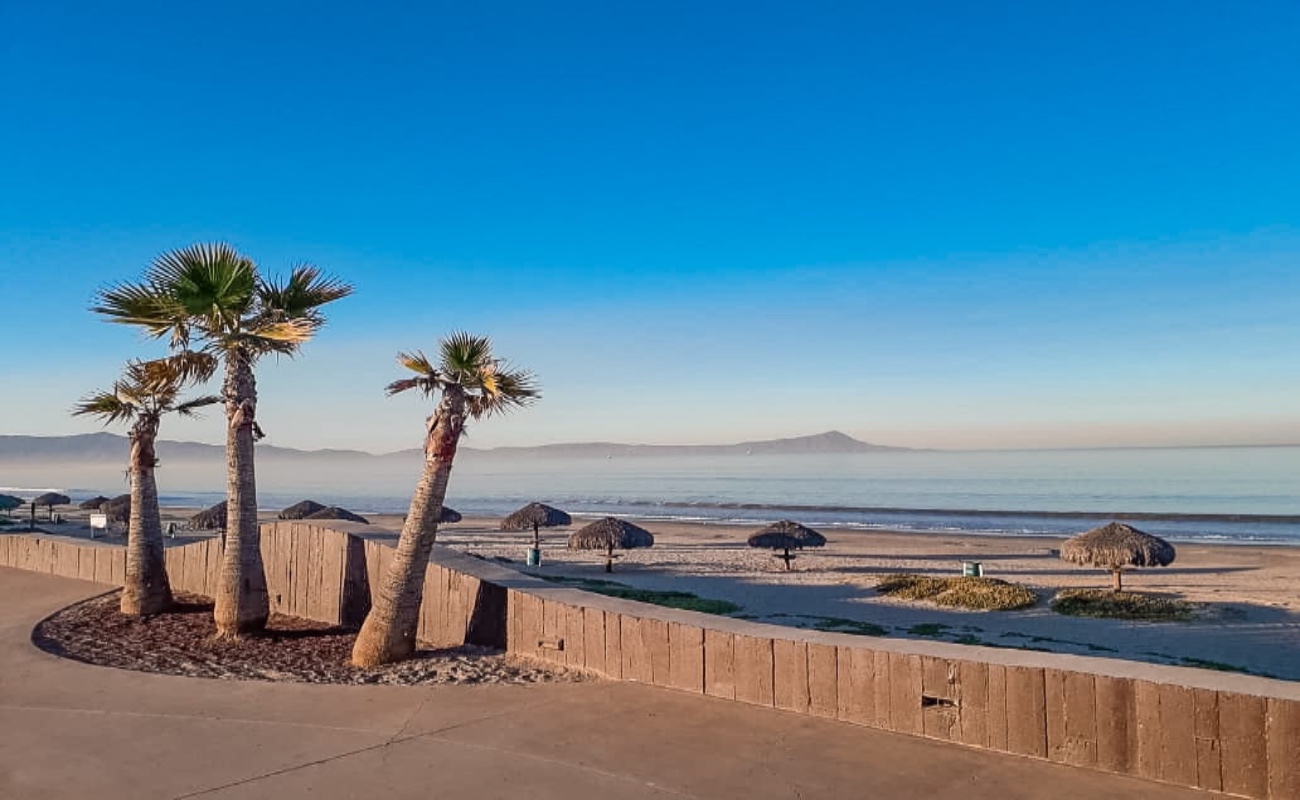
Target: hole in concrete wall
<point>928,701</point>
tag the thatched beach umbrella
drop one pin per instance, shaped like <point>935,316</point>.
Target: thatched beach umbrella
<point>118,509</point>
<point>210,519</point>
<point>8,503</point>
<point>50,500</point>
<point>536,516</point>
<point>609,533</point>
<point>301,509</point>
<point>1116,546</point>
<point>449,515</point>
<point>334,512</point>
<point>786,535</point>
<point>93,503</point>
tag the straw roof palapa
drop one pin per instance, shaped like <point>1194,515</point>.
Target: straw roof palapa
<point>52,499</point>
<point>450,515</point>
<point>1118,545</point>
<point>118,509</point>
<point>334,512</point>
<point>210,519</point>
<point>93,503</point>
<point>535,515</point>
<point>610,532</point>
<point>301,509</point>
<point>8,502</point>
<point>787,535</point>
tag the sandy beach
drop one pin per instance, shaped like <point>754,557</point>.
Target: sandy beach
<point>1248,597</point>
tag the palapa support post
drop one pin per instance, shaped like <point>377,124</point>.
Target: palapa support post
<point>1117,582</point>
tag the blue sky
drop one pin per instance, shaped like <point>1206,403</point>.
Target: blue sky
<point>942,224</point>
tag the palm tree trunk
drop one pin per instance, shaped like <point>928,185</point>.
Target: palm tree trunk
<point>242,604</point>
<point>146,591</point>
<point>388,633</point>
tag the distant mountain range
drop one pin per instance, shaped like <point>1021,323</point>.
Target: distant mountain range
<point>110,447</point>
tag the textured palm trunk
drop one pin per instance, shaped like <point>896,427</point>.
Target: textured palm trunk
<point>242,605</point>
<point>388,633</point>
<point>146,591</point>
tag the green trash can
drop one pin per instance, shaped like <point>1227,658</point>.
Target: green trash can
<point>534,556</point>
<point>972,569</point>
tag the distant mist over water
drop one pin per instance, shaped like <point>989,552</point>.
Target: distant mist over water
<point>1222,494</point>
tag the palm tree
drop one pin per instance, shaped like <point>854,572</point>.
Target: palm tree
<point>147,391</point>
<point>473,383</point>
<point>214,296</point>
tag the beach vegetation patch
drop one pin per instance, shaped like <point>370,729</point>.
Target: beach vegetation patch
<point>1110,604</point>
<point>685,601</point>
<point>850,626</point>
<point>928,629</point>
<point>976,594</point>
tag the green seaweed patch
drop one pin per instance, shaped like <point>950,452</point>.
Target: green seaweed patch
<point>1108,604</point>
<point>976,594</point>
<point>668,599</point>
<point>1096,648</point>
<point>928,629</point>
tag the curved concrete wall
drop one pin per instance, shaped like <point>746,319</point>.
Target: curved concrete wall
<point>1231,733</point>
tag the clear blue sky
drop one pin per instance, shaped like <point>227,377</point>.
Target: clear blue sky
<point>932,224</point>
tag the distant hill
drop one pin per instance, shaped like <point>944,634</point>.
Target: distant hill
<point>111,447</point>
<point>829,442</point>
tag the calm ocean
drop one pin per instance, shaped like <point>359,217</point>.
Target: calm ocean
<point>1244,495</point>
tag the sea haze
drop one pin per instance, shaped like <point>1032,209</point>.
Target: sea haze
<point>1245,495</point>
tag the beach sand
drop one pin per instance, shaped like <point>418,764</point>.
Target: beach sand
<point>1249,619</point>
<point>1249,596</point>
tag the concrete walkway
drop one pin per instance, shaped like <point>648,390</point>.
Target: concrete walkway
<point>68,730</point>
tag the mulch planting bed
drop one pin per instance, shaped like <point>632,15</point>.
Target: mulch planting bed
<point>182,642</point>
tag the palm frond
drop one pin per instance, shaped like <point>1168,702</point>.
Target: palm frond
<point>305,290</point>
<point>148,306</point>
<point>190,408</point>
<point>107,405</point>
<point>425,385</point>
<point>418,363</point>
<point>503,390</point>
<point>463,356</point>
<point>214,283</point>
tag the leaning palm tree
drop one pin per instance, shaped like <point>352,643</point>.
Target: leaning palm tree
<point>213,296</point>
<point>472,383</point>
<point>147,391</point>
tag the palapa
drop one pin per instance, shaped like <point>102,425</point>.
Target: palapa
<point>1116,546</point>
<point>209,519</point>
<point>8,502</point>
<point>50,500</point>
<point>118,509</point>
<point>535,515</point>
<point>334,512</point>
<point>609,533</point>
<point>93,503</point>
<point>786,535</point>
<point>449,515</point>
<point>301,509</point>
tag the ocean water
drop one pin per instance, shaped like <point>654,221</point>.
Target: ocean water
<point>1240,495</point>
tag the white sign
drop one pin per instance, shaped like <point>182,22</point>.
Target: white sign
<point>98,522</point>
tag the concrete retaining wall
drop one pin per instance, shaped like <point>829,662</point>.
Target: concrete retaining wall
<point>1232,733</point>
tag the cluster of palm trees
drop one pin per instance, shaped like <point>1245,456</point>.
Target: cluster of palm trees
<point>218,310</point>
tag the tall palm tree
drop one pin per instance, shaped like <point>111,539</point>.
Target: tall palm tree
<point>213,296</point>
<point>474,384</point>
<point>147,391</point>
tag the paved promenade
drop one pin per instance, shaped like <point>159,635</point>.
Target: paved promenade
<point>68,730</point>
